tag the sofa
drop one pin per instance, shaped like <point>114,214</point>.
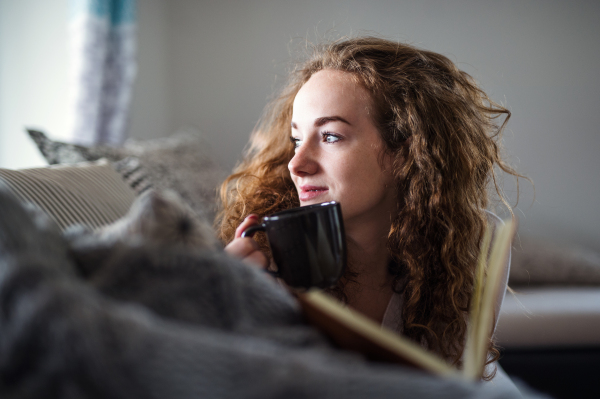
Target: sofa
<point>549,324</point>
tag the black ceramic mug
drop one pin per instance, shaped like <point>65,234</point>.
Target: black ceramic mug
<point>308,244</point>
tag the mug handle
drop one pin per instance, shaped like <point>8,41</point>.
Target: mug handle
<point>249,232</point>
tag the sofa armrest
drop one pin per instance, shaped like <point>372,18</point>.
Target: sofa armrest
<point>546,317</point>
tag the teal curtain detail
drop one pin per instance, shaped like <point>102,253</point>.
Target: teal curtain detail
<point>103,59</point>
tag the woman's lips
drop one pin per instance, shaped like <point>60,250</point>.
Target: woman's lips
<point>308,193</point>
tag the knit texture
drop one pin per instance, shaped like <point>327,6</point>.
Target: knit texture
<point>151,322</point>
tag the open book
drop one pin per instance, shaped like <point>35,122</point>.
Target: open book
<point>352,330</point>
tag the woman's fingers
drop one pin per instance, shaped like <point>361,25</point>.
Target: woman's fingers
<point>241,247</point>
<point>257,258</point>
<point>246,248</point>
<point>250,220</point>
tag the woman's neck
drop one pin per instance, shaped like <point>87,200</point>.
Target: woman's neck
<point>368,258</point>
<point>368,254</point>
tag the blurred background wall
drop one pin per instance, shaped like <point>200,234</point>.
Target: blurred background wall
<point>214,64</point>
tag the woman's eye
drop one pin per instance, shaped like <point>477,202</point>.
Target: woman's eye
<point>296,141</point>
<point>330,138</point>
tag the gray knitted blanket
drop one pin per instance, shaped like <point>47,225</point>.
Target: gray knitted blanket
<point>148,322</point>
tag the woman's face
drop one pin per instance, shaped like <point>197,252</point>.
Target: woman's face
<point>338,149</point>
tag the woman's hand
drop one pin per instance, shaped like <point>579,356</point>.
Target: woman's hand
<point>246,248</point>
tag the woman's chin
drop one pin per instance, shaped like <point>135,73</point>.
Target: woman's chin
<point>310,202</point>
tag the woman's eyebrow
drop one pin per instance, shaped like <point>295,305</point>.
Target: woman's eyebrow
<point>324,120</point>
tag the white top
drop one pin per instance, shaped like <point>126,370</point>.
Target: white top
<point>392,319</point>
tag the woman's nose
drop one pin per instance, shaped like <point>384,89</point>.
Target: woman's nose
<point>304,161</point>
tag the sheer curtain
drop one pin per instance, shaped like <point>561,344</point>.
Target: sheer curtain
<point>103,68</point>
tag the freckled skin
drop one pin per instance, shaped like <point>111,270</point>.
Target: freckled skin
<point>341,158</point>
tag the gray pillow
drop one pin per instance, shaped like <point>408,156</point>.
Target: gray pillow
<point>181,163</point>
<point>56,152</point>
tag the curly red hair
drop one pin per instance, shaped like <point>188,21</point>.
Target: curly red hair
<point>440,129</point>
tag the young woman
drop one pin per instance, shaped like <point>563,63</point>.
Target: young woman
<point>408,144</point>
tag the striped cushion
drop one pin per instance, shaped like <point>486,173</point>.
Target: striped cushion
<point>134,174</point>
<point>90,193</point>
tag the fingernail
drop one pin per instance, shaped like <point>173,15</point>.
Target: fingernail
<point>251,217</point>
